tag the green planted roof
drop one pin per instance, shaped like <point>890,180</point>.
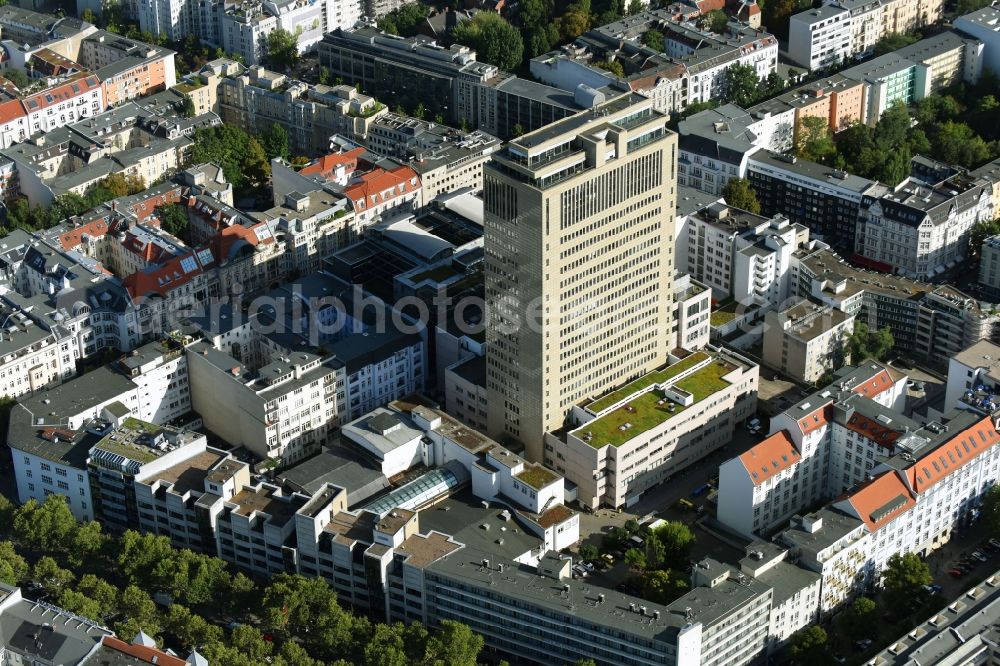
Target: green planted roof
<point>656,377</point>
<point>644,413</point>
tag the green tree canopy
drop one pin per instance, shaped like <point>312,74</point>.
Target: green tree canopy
<point>613,66</point>
<point>48,526</point>
<point>494,39</point>
<point>903,578</point>
<point>241,156</point>
<point>808,645</point>
<point>52,577</point>
<point>991,510</point>
<point>454,644</point>
<point>813,139</point>
<point>173,218</point>
<point>860,618</point>
<point>866,343</point>
<point>663,586</point>
<point>13,567</point>
<point>274,141</point>
<point>635,559</point>
<point>739,193</point>
<point>980,232</point>
<point>678,540</point>
<point>282,48</point>
<point>653,38</point>
<point>717,21</point>
<point>406,20</point>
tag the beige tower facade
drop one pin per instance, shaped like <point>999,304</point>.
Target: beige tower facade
<point>579,263</point>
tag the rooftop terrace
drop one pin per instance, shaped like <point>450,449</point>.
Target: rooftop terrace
<point>653,408</point>
<point>655,377</point>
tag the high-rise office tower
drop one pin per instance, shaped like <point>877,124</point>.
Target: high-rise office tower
<point>579,263</point>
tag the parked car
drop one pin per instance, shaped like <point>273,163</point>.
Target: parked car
<point>700,490</point>
<point>995,542</point>
<point>863,644</point>
<point>589,566</point>
<point>932,589</point>
<point>685,504</point>
<point>608,559</point>
<point>979,556</point>
<point>956,573</point>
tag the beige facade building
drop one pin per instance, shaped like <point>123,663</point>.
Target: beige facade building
<point>643,433</point>
<point>579,263</point>
<point>807,340</point>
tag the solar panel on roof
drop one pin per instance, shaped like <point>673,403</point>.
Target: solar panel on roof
<point>188,264</point>
<point>205,256</point>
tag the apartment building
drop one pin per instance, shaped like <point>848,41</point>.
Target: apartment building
<point>243,28</point>
<point>807,341</point>
<point>973,378</point>
<point>127,67</point>
<point>919,228</point>
<point>716,145</point>
<point>738,254</point>
<point>824,200</point>
<point>465,391</point>
<point>692,319</point>
<point>989,265</point>
<point>908,486</point>
<point>280,411</point>
<point>792,468</point>
<point>536,373</point>
<point>838,100</point>
<point>448,81</point>
<point>644,433</point>
<point>843,29</point>
<point>984,25</point>
<point>34,351</point>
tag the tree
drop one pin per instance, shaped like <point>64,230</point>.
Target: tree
<point>100,592</point>
<point>274,141</point>
<point>173,218</point>
<point>663,587</point>
<point>188,109</point>
<point>773,84</point>
<point>241,156</point>
<point>454,644</point>
<point>632,526</point>
<point>776,14</point>
<point>387,647</point>
<point>13,567</point>
<point>635,559</point>
<point>969,6</point>
<point>589,552</point>
<point>140,556</point>
<point>420,111</point>
<point>190,629</point>
<point>138,613</point>
<point>495,40</point>
<point>813,140</point>
<point>88,16</point>
<point>860,620</point>
<point>282,48</point>
<point>742,85</point>
<point>87,543</point>
<point>47,526</point>
<point>635,7</point>
<point>979,233</point>
<point>53,578</point>
<point>903,578</point>
<point>717,21</point>
<point>240,595</point>
<point>517,130</point>
<point>653,38</point>
<point>613,66</point>
<point>80,604</point>
<point>573,23</point>
<point>7,510</point>
<point>864,343</point>
<point>808,645</point>
<point>17,77</point>
<point>991,509</point>
<point>406,20</point>
<point>956,143</point>
<point>739,193</point>
<point>677,539</point>
<point>300,606</point>
<point>895,41</point>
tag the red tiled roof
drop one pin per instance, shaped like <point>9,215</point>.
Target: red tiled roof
<point>61,93</point>
<point>951,455</point>
<point>816,419</point>
<point>774,454</point>
<point>74,237</point>
<point>873,430</point>
<point>372,184</point>
<point>143,653</point>
<point>11,110</point>
<point>878,384</point>
<point>880,500</point>
<point>162,279</point>
<point>325,166</point>
<point>144,208</point>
